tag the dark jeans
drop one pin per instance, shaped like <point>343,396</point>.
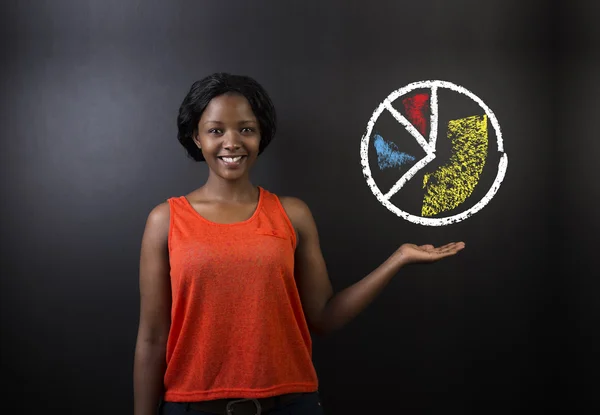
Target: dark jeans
<point>306,404</point>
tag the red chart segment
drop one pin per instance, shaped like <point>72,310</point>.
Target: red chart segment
<point>416,108</point>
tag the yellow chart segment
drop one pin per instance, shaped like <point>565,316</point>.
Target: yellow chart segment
<point>451,184</point>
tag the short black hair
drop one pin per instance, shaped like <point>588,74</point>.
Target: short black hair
<point>200,94</point>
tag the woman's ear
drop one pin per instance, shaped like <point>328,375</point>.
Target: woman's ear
<point>196,139</point>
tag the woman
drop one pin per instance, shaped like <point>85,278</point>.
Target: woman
<point>232,277</point>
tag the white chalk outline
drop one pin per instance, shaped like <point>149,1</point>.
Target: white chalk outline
<point>429,148</point>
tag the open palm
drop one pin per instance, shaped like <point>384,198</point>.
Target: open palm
<point>411,253</point>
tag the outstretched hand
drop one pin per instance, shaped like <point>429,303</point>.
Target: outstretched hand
<point>411,253</point>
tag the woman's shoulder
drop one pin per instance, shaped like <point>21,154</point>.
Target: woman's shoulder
<point>296,208</point>
<point>159,215</point>
<point>293,203</point>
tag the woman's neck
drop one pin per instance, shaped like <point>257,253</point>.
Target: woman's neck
<point>241,190</point>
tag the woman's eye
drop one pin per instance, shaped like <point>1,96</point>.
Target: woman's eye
<point>247,130</point>
<point>214,131</point>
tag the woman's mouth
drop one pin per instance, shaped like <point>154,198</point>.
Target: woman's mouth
<point>232,162</point>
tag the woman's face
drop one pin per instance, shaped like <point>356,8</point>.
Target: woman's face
<point>229,136</point>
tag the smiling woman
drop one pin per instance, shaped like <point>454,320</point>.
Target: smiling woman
<point>232,278</point>
<point>228,135</point>
<point>201,94</point>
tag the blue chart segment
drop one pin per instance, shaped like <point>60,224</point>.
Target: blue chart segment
<point>388,155</point>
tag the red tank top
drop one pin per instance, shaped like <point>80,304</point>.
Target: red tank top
<point>237,325</point>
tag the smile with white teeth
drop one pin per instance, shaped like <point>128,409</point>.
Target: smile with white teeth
<point>231,159</point>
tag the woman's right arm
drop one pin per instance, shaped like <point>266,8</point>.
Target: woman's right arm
<point>155,313</point>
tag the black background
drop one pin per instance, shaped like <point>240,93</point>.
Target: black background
<point>90,92</point>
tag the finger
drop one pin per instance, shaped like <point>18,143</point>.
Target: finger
<point>443,247</point>
<point>441,250</point>
<point>450,249</point>
<point>452,246</point>
<point>431,247</point>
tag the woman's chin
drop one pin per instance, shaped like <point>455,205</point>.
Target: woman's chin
<point>232,175</point>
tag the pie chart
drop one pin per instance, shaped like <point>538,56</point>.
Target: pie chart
<point>441,137</point>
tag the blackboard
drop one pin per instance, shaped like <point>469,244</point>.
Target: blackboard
<point>90,95</point>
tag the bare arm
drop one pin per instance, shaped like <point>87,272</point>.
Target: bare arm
<point>155,311</point>
<point>324,310</point>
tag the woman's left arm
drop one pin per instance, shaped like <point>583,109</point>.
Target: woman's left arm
<point>325,311</point>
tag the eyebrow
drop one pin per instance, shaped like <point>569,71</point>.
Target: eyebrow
<point>221,122</point>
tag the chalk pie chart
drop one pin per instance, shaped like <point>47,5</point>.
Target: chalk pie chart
<point>403,144</point>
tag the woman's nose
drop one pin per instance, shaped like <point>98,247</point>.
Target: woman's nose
<point>232,141</point>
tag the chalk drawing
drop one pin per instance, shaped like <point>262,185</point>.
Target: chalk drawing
<point>388,154</point>
<point>451,184</point>
<point>415,110</point>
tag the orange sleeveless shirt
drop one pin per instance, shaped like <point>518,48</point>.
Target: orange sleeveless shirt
<point>237,325</point>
